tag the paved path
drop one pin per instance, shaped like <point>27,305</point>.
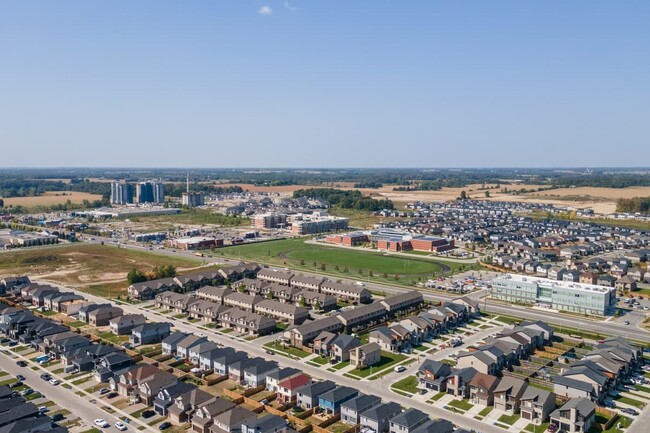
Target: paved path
<point>65,398</point>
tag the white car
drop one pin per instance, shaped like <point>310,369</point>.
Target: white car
<point>54,382</point>
<point>200,335</point>
<point>101,423</point>
<point>120,426</point>
<point>399,369</point>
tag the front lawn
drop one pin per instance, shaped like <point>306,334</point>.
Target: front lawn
<point>289,350</point>
<point>320,360</point>
<point>534,428</point>
<point>508,419</point>
<point>387,360</point>
<point>463,405</point>
<point>340,365</point>
<point>408,384</point>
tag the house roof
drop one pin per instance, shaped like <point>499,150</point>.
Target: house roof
<point>573,383</point>
<point>409,418</point>
<point>435,426</point>
<point>295,382</point>
<point>537,394</point>
<point>437,368</point>
<point>345,342</point>
<point>317,388</point>
<point>382,410</point>
<point>235,416</point>
<point>583,406</point>
<point>339,393</point>
<point>361,402</point>
<point>485,381</point>
<point>512,384</point>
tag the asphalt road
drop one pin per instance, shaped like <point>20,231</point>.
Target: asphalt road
<point>66,398</point>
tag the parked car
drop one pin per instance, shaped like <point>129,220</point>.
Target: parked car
<point>552,428</point>
<point>111,395</point>
<point>399,369</point>
<point>148,414</point>
<point>57,417</point>
<point>16,384</point>
<point>54,382</point>
<point>99,422</point>
<point>46,376</point>
<point>164,425</point>
<point>20,377</point>
<point>21,364</point>
<point>43,409</point>
<point>103,391</point>
<point>629,411</point>
<point>120,426</point>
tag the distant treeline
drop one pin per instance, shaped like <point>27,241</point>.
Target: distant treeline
<point>177,190</point>
<point>603,180</point>
<point>633,205</point>
<point>17,187</point>
<point>368,184</point>
<point>351,199</point>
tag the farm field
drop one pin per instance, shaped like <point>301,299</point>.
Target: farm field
<point>97,268</point>
<point>297,254</point>
<point>51,198</point>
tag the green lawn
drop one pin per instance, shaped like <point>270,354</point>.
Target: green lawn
<point>387,360</point>
<point>408,384</point>
<point>300,255</point>
<point>290,350</point>
<point>320,360</point>
<point>485,411</point>
<point>509,419</point>
<point>629,401</point>
<point>533,428</point>
<point>463,405</point>
<point>340,365</point>
<point>77,324</point>
<point>437,397</point>
<point>112,338</point>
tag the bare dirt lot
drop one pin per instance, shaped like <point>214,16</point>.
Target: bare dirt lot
<point>92,267</point>
<point>51,198</point>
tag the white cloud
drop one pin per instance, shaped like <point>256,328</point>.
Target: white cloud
<point>288,7</point>
<point>265,10</point>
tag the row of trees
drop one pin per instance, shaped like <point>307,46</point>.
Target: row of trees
<point>633,205</point>
<point>346,199</point>
<point>137,276</point>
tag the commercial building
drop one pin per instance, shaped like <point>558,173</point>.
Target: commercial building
<point>193,199</point>
<point>302,224</point>
<point>269,221</point>
<point>150,192</point>
<point>121,193</point>
<point>558,295</point>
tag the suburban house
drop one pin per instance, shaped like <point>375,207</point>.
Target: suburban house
<point>308,395</point>
<point>203,416</point>
<point>352,409</point>
<point>267,424</point>
<point>273,379</point>
<point>183,347</point>
<point>221,364</point>
<point>434,374</point>
<point>166,397</point>
<point>124,324</point>
<point>376,418</point>
<point>255,374</point>
<point>341,346</point>
<point>481,389</point>
<point>231,421</point>
<point>574,388</point>
<point>149,388</point>
<point>304,334</point>
<point>576,415</point>
<point>185,404</point>
<point>170,342</point>
<point>149,333</point>
<point>537,404</point>
<point>281,311</point>
<point>483,361</point>
<point>246,322</point>
<point>390,339</point>
<point>288,388</point>
<point>307,282</point>
<point>242,301</point>
<point>436,426</point>
<point>346,292</point>
<point>365,356</point>
<point>407,421</point>
<point>275,276</point>
<point>508,393</point>
<point>330,401</point>
<point>212,293</point>
<point>197,350</point>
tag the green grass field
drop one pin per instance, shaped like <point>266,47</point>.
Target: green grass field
<point>362,265</point>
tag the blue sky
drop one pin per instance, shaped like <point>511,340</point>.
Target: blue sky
<point>225,83</point>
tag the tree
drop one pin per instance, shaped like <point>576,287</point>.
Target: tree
<point>302,262</point>
<point>345,270</point>
<point>463,195</point>
<point>487,194</point>
<point>240,289</point>
<point>303,301</point>
<point>370,274</point>
<point>270,295</point>
<point>2,203</point>
<point>135,276</point>
<point>323,267</point>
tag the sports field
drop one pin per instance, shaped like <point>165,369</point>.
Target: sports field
<point>295,253</point>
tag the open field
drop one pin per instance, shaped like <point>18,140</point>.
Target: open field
<point>93,267</point>
<point>51,198</point>
<point>192,217</point>
<point>299,255</point>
